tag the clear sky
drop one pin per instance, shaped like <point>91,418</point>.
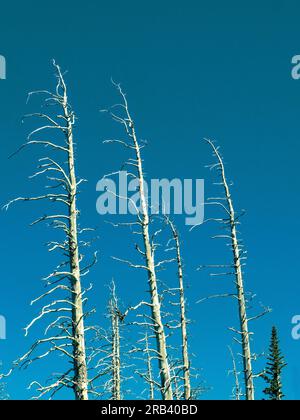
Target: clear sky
<point>191,69</point>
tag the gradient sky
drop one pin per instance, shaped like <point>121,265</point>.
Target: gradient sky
<point>191,69</point>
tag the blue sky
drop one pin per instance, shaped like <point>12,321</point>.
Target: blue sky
<point>191,69</point>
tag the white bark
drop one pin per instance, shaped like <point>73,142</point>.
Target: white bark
<point>68,338</point>
<point>239,281</point>
<point>149,369</point>
<point>115,342</point>
<point>166,388</point>
<point>79,353</point>
<point>148,252</point>
<point>237,390</point>
<point>183,317</point>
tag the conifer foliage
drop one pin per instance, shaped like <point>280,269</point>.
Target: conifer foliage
<point>274,368</point>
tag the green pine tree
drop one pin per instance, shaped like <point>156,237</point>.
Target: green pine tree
<point>275,364</point>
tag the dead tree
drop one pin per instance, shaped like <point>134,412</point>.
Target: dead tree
<point>183,315</point>
<point>115,314</point>
<point>146,357</point>
<point>231,221</point>
<point>109,353</point>
<point>65,330</point>
<point>143,220</point>
<point>237,393</point>
<point>149,368</point>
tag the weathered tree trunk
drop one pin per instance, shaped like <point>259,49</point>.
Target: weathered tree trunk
<point>244,331</point>
<point>68,337</point>
<point>148,252</point>
<point>166,388</point>
<point>183,319</point>
<point>237,390</point>
<point>79,354</point>
<point>116,361</point>
<point>149,369</point>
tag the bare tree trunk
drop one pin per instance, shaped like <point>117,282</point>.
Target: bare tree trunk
<point>116,358</point>
<point>155,301</point>
<point>69,322</point>
<point>165,376</point>
<point>244,331</point>
<point>80,368</point>
<point>149,369</point>
<point>176,387</point>
<point>183,319</point>
<point>237,390</point>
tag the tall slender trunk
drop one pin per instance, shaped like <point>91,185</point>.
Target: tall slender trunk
<point>166,388</point>
<point>79,352</point>
<point>69,331</point>
<point>115,317</point>
<point>183,319</point>
<point>237,390</point>
<point>116,362</point>
<point>244,330</point>
<point>176,389</point>
<point>149,369</point>
<point>148,251</point>
<point>247,359</point>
